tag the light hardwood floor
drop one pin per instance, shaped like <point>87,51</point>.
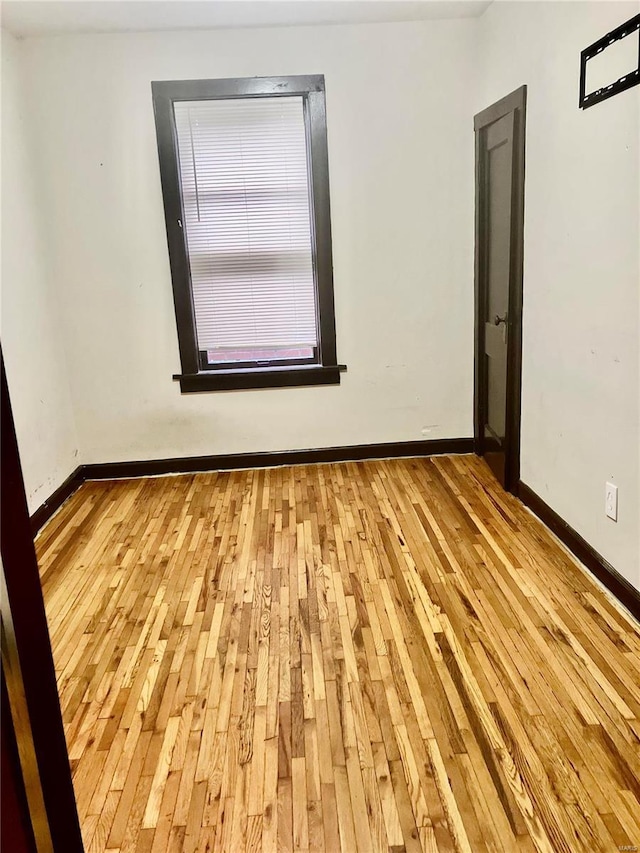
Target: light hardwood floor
<point>387,655</point>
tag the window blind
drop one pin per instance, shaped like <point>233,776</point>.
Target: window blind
<point>245,197</point>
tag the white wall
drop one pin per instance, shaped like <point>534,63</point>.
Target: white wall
<point>399,106</point>
<point>31,339</point>
<point>581,385</point>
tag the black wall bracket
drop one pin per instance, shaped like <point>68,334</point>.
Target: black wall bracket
<point>632,78</point>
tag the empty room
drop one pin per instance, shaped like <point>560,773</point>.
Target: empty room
<point>320,426</point>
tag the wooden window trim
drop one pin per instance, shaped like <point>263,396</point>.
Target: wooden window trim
<point>311,89</point>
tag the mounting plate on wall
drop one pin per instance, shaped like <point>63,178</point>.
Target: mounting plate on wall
<point>612,70</point>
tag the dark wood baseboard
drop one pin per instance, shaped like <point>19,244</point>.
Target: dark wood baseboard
<point>55,501</point>
<point>359,452</point>
<point>192,464</point>
<point>597,565</point>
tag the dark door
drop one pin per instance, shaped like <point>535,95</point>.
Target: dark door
<point>499,199</point>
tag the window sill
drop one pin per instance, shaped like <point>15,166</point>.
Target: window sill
<point>270,377</point>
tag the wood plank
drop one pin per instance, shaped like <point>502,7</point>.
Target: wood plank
<point>391,656</point>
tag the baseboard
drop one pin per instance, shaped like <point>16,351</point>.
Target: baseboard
<point>192,464</point>
<point>55,501</point>
<point>359,452</point>
<point>597,565</point>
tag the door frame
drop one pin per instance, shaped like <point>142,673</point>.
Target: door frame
<point>515,102</point>
<point>27,663</point>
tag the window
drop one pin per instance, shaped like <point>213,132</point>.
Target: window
<point>244,173</point>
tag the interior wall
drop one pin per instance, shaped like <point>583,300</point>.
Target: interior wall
<point>581,384</point>
<point>32,343</point>
<point>399,107</point>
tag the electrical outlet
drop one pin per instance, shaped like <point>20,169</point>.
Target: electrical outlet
<point>611,501</point>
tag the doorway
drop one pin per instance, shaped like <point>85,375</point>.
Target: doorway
<point>499,215</point>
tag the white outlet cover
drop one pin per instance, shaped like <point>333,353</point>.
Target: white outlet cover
<point>611,501</point>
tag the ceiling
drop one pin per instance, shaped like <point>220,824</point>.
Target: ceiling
<point>50,17</point>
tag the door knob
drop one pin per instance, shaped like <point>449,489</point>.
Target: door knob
<point>498,319</point>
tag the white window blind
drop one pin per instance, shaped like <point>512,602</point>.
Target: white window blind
<point>243,170</point>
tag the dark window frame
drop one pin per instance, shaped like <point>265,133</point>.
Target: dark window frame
<point>325,370</point>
